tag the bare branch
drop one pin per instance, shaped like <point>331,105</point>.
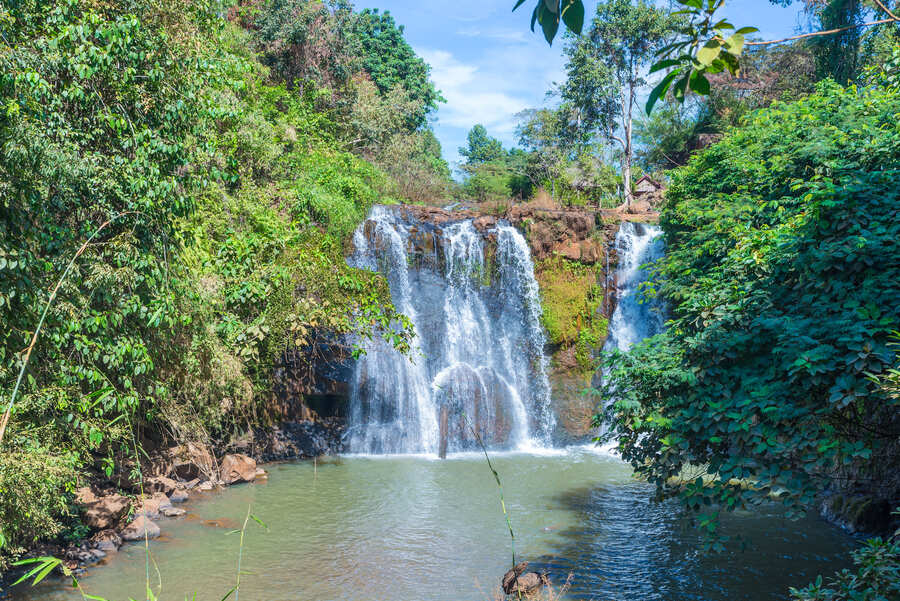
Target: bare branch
<point>826,32</point>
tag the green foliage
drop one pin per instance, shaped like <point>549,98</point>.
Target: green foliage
<point>877,576</point>
<point>481,147</point>
<point>35,493</point>
<point>571,301</point>
<point>784,283</point>
<point>310,44</point>
<point>238,198</point>
<point>391,62</point>
<point>549,12</point>
<point>623,39</point>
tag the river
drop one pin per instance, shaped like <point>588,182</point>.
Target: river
<point>412,528</point>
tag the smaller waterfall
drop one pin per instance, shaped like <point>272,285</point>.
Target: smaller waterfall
<point>478,355</point>
<point>635,317</point>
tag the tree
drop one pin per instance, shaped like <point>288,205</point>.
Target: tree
<point>482,148</point>
<point>541,134</point>
<point>390,61</point>
<point>783,283</point>
<point>606,71</point>
<point>708,44</point>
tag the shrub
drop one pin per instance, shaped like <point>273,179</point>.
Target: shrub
<point>783,278</point>
<point>35,487</point>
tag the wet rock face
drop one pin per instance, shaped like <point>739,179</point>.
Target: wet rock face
<point>300,440</point>
<point>857,513</point>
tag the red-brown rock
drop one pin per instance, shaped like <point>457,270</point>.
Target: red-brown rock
<point>237,468</point>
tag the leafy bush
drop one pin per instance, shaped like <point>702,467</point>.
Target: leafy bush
<point>35,487</point>
<point>783,278</point>
<point>237,201</point>
<point>877,576</point>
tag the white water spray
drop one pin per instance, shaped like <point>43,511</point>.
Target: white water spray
<point>479,349</point>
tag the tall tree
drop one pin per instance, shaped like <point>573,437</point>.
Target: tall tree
<point>481,147</point>
<point>390,61</point>
<point>606,71</point>
<point>541,133</point>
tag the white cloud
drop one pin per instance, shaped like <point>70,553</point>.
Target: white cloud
<point>473,95</point>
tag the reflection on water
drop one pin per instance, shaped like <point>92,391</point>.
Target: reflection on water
<point>411,528</point>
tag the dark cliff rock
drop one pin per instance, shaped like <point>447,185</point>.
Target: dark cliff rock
<point>299,440</point>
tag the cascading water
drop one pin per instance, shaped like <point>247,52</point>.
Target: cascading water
<point>478,354</point>
<point>635,317</point>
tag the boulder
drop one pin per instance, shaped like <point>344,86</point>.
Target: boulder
<point>154,505</point>
<point>191,461</point>
<point>519,583</point>
<point>178,496</point>
<point>107,541</point>
<point>105,512</point>
<point>510,576</point>
<point>84,496</point>
<point>237,468</point>
<point>140,528</point>
<point>160,484</point>
<point>172,512</point>
<point>526,583</point>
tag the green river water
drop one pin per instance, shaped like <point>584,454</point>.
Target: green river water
<point>408,528</point>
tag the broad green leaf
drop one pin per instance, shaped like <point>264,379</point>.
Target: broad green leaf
<point>699,83</point>
<point>735,44</point>
<point>549,23</point>
<point>709,52</point>
<point>660,89</point>
<point>573,15</point>
<point>664,65</point>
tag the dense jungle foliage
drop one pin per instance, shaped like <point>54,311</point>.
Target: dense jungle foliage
<point>225,191</point>
<point>782,273</point>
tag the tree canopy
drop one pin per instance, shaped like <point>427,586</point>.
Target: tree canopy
<point>783,278</point>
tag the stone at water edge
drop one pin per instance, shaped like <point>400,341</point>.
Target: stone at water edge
<point>154,505</point>
<point>161,484</point>
<point>515,582</point>
<point>139,528</point>
<point>191,461</point>
<point>508,578</point>
<point>107,540</point>
<point>105,512</point>
<point>237,468</point>
<point>527,583</point>
<point>178,496</point>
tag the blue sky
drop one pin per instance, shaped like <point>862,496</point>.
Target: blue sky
<point>489,66</point>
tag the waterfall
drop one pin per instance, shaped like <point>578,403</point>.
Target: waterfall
<point>635,317</point>
<point>478,353</point>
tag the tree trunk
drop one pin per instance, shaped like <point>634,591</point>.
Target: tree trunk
<point>627,108</point>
